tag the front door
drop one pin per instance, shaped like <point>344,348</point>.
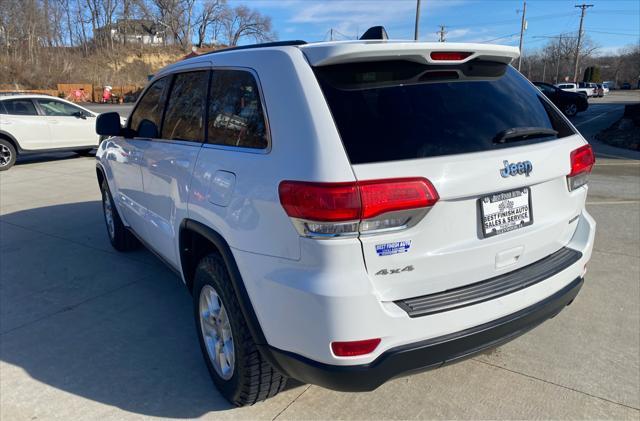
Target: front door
<point>127,156</point>
<point>70,126</point>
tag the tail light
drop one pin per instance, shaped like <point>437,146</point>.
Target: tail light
<point>354,348</point>
<point>582,160</point>
<point>361,207</point>
<point>449,55</point>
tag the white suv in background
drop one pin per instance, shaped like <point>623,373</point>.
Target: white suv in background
<point>42,123</point>
<point>348,212</point>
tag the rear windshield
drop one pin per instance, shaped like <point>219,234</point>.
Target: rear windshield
<point>395,110</point>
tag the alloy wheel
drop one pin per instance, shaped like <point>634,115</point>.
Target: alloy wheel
<point>108,214</point>
<point>571,109</point>
<point>5,156</point>
<point>216,332</point>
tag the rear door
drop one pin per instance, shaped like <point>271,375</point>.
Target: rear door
<point>169,161</point>
<point>23,123</point>
<point>504,201</point>
<point>70,126</point>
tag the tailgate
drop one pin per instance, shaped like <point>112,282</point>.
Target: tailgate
<point>495,149</point>
<point>447,249</point>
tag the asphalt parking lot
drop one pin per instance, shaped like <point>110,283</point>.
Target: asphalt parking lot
<point>89,333</point>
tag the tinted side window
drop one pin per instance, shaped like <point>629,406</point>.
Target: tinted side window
<point>51,107</point>
<point>184,118</point>
<point>546,89</point>
<point>20,107</point>
<point>146,118</point>
<point>235,111</point>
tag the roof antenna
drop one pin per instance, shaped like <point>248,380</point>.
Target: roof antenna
<point>375,32</point>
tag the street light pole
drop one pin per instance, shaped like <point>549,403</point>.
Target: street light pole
<point>415,33</point>
<point>558,58</point>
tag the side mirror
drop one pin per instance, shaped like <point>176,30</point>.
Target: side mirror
<point>80,114</point>
<point>108,124</point>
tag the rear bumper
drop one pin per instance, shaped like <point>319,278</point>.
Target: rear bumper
<point>425,355</point>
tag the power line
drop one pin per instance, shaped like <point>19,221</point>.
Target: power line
<point>502,37</point>
<point>513,20</point>
<point>614,33</point>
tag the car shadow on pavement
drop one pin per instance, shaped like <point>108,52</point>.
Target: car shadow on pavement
<point>115,328</point>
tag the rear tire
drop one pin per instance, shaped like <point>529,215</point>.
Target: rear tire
<point>7,155</point>
<point>120,237</point>
<point>239,371</point>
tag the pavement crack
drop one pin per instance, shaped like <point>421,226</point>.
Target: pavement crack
<point>78,243</point>
<point>70,307</point>
<point>555,384</point>
<point>291,403</point>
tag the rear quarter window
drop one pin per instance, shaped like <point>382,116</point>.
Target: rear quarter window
<point>395,110</point>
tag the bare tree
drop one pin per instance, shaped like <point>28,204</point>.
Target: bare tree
<point>44,42</point>
<point>211,18</point>
<point>246,23</point>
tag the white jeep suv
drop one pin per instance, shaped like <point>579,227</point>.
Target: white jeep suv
<point>349,212</point>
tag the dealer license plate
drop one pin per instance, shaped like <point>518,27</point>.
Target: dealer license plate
<point>505,211</point>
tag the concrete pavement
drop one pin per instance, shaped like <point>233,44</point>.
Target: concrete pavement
<point>601,114</point>
<point>90,333</point>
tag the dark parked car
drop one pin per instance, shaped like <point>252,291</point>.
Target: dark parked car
<point>626,85</point>
<point>570,103</point>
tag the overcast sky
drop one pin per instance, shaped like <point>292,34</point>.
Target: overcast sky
<point>610,23</point>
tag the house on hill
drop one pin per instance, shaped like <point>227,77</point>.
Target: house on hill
<point>133,31</point>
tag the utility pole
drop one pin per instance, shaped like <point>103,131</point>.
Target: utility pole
<point>522,28</point>
<point>442,32</point>
<point>415,34</point>
<point>584,8</point>
<point>544,69</point>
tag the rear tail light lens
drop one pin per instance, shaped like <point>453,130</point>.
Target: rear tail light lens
<point>320,202</point>
<point>339,209</point>
<point>354,348</point>
<point>582,160</point>
<point>449,55</point>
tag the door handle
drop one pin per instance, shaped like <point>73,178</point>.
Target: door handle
<point>53,121</point>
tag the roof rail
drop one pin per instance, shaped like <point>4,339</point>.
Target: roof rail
<point>20,92</point>
<point>262,45</point>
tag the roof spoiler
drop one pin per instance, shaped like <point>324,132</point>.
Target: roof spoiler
<point>375,32</point>
<point>441,53</point>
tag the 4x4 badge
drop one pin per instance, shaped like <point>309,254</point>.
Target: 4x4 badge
<point>523,167</point>
<point>394,271</point>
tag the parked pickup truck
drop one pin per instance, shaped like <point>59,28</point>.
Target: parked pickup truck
<point>578,88</point>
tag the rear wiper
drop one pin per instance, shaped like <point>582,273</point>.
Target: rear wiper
<point>523,133</point>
